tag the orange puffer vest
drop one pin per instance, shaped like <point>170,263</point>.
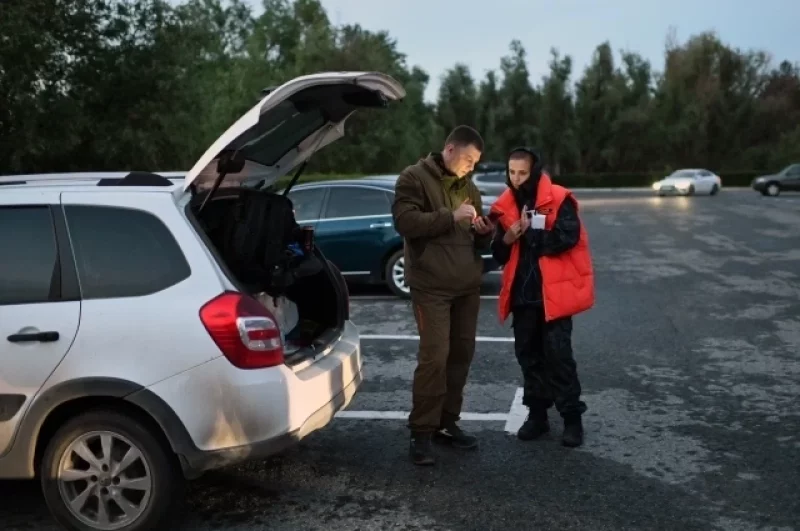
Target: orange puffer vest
<point>567,278</point>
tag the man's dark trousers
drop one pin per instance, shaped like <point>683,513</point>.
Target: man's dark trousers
<point>544,353</point>
<point>447,327</point>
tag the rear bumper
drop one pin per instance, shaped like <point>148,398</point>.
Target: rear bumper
<point>196,462</point>
<point>759,186</point>
<point>234,415</point>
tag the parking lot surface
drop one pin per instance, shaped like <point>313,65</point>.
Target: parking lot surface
<point>690,364</point>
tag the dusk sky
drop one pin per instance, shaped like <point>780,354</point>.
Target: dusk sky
<point>435,34</point>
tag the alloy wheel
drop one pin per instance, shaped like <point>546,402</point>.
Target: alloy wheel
<point>105,480</point>
<point>399,275</point>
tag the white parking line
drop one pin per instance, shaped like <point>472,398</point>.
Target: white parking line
<point>398,337</point>
<point>513,419</point>
<point>517,413</point>
<point>403,415</point>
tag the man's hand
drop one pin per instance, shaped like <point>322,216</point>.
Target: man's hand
<point>465,211</point>
<point>514,232</point>
<point>483,225</point>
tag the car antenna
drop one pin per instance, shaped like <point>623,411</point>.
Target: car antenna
<point>305,163</point>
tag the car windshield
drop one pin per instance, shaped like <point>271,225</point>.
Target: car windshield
<point>682,173</point>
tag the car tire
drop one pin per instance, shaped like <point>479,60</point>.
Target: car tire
<point>690,191</point>
<point>157,486</point>
<point>772,190</point>
<point>395,267</point>
<point>714,190</point>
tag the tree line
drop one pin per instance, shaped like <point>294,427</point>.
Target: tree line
<point>93,85</point>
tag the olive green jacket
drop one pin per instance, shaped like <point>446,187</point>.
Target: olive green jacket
<point>441,256</point>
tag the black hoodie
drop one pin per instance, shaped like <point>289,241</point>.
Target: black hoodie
<point>526,194</point>
<point>527,287</point>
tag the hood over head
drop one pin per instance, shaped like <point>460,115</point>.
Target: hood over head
<point>529,187</point>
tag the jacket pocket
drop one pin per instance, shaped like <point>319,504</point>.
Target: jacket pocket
<point>451,265</point>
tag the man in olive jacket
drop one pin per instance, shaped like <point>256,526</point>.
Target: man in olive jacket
<point>437,211</point>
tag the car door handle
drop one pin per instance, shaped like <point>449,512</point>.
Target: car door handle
<point>383,225</point>
<point>42,337</point>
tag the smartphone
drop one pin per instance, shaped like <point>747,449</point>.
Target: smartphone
<point>494,216</point>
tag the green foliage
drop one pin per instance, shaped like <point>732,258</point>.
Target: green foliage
<point>149,84</point>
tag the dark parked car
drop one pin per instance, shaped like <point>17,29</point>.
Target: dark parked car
<point>788,179</point>
<point>353,225</point>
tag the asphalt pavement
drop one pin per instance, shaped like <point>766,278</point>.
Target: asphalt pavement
<point>690,364</point>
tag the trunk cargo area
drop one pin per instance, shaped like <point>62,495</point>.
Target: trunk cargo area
<point>308,298</point>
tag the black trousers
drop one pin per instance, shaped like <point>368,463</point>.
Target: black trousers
<point>544,353</point>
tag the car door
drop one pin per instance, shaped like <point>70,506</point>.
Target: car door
<point>39,301</point>
<point>792,179</point>
<point>706,180</point>
<point>356,228</point>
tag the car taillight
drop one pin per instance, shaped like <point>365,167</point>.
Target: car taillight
<point>244,330</point>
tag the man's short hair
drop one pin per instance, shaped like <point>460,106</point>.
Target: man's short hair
<point>464,135</point>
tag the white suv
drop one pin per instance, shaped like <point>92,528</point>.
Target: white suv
<point>133,355</point>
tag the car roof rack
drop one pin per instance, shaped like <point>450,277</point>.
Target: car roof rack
<point>137,178</point>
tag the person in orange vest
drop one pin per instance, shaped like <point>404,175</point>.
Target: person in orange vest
<point>547,278</point>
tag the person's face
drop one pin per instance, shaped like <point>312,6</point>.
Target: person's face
<point>519,171</point>
<point>461,160</point>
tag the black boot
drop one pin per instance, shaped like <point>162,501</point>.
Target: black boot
<point>421,449</point>
<point>573,431</point>
<point>535,425</point>
<point>451,434</point>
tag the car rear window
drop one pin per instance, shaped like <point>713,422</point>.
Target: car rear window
<point>28,268</point>
<point>121,252</point>
<point>278,133</point>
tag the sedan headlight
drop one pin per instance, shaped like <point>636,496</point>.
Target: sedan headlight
<point>656,186</point>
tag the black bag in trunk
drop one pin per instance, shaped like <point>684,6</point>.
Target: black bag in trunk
<point>256,249</point>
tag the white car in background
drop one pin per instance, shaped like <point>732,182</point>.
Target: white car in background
<point>689,182</point>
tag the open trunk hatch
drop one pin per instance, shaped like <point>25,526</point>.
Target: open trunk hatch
<point>288,125</point>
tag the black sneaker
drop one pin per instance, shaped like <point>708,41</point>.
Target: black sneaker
<point>573,432</point>
<point>534,426</point>
<point>456,437</point>
<point>421,450</point>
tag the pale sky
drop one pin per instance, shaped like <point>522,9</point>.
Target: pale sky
<point>435,34</point>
